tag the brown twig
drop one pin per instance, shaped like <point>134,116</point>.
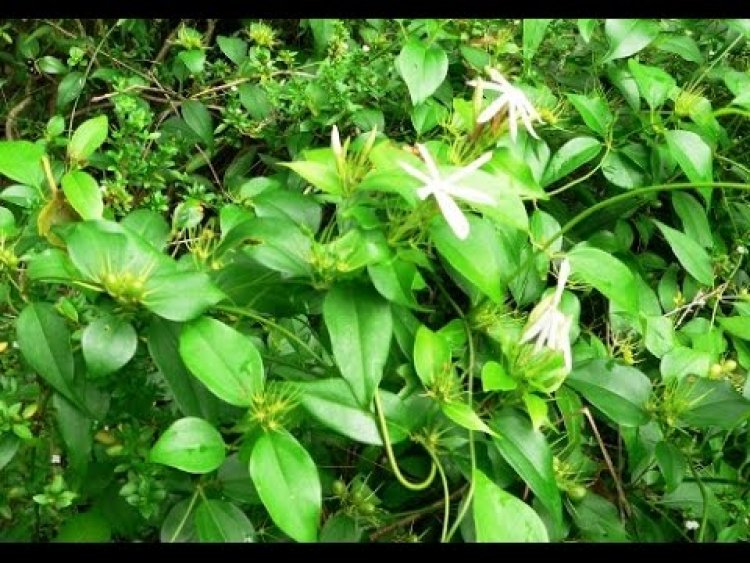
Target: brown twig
<point>624,505</point>
<point>416,515</point>
<point>210,30</point>
<point>12,117</point>
<point>166,46</point>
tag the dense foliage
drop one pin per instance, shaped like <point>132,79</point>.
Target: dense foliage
<point>374,280</point>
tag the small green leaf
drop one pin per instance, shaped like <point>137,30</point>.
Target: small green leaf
<point>422,68</point>
<point>693,217</point>
<point>736,326</point>
<point>88,137</point>
<point>463,415</point>
<point>693,156</point>
<point>477,258</point>
<point>569,157</point>
<point>711,403</point>
<point>495,378</point>
<point>190,444</point>
<point>654,84</point>
<point>254,99</point>
<point>683,361</point>
<point>586,28</point>
<point>672,464</point>
<point>218,521</point>
<point>288,484</point>
<point>108,344</point>
<point>681,45</point>
<point>21,161</point>
<point>627,37</point>
<point>594,111</point>
<point>501,517</point>
<point>322,175</point>
<point>533,34</point>
<point>225,360</point>
<point>360,325</point>
<point>194,60</point>
<point>432,355</point>
<point>689,253</point>
<point>83,194</point>
<point>620,392</point>
<point>526,450</point>
<point>69,88</point>
<point>607,274</point>
<point>234,48</point>
<point>198,118</point>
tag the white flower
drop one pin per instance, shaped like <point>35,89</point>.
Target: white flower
<point>55,459</point>
<point>692,525</point>
<point>445,189</point>
<point>336,142</point>
<point>518,104</point>
<point>549,326</point>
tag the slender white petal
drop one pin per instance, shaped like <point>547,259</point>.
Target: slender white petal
<point>527,123</point>
<point>336,141</point>
<point>425,191</point>
<point>431,166</point>
<point>418,174</point>
<point>470,194</point>
<point>456,219</point>
<point>562,279</point>
<point>469,168</point>
<point>512,121</point>
<point>492,109</point>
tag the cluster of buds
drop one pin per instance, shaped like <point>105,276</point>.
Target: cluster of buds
<point>125,287</point>
<point>272,405</point>
<point>351,168</point>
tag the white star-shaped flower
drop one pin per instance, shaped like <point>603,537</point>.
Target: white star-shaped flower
<point>445,189</point>
<point>518,104</point>
<point>548,325</point>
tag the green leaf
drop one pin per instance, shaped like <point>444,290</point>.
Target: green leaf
<point>225,360</point>
<point>681,45</point>
<point>70,88</point>
<point>9,444</point>
<point>586,28</point>
<point>190,444</point>
<point>689,253</point>
<point>198,118</point>
<point>736,326</point>
<point>288,484</point>
<point>654,84</point>
<point>627,37</point>
<point>234,48</point>
<point>179,524</point>
<point>477,258</point>
<point>75,429</point>
<point>83,194</point>
<point>21,161</point>
<point>495,378</point>
<point>607,274</point>
<point>659,338</point>
<point>711,403</point>
<point>165,295</point>
<point>432,355</point>
<point>190,395</point>
<point>672,464</point>
<point>44,341</point>
<point>501,517</point>
<point>526,450</point>
<point>422,68</point>
<point>620,170</point>
<point>194,60</point>
<point>148,225</point>
<point>331,402</point>
<point>683,361</point>
<point>360,325</point>
<point>254,99</point>
<point>620,392</point>
<point>463,415</point>
<point>594,111</point>
<point>395,279</point>
<point>8,226</point>
<point>83,527</point>
<point>693,156</point>
<point>533,34</point>
<point>88,137</point>
<point>108,344</point>
<point>569,157</point>
<point>218,521</point>
<point>693,217</point>
<point>322,175</point>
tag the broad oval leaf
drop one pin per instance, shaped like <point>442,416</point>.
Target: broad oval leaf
<point>225,360</point>
<point>83,194</point>
<point>526,450</point>
<point>21,161</point>
<point>607,274</point>
<point>360,325</point>
<point>287,481</point>
<point>689,253</point>
<point>569,157</point>
<point>628,36</point>
<point>107,345</point>
<point>422,68</point>
<point>432,355</point>
<point>693,156</point>
<point>463,415</point>
<point>190,444</point>
<point>501,517</point>
<point>222,522</point>
<point>594,111</point>
<point>620,392</point>
<point>88,137</point>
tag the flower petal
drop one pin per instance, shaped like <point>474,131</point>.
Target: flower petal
<point>431,166</point>
<point>471,195</point>
<point>469,168</point>
<point>418,174</point>
<point>456,219</point>
<point>492,109</point>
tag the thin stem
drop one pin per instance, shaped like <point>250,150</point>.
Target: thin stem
<point>420,486</point>
<point>446,496</point>
<point>704,496</point>
<point>255,316</point>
